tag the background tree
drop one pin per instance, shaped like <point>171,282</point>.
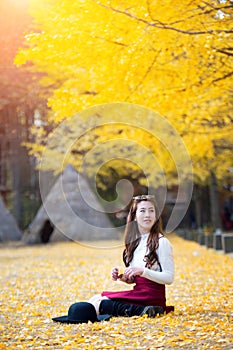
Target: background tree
<point>175,60</point>
<point>19,107</point>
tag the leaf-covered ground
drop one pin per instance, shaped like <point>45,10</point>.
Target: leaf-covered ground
<point>41,282</point>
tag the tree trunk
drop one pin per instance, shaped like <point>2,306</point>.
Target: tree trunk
<point>197,205</point>
<point>214,204</point>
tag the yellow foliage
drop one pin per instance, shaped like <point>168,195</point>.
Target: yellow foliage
<point>173,59</point>
<point>41,282</point>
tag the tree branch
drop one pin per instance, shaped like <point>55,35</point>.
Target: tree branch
<point>164,26</point>
<point>145,75</point>
<point>223,77</point>
<point>225,51</point>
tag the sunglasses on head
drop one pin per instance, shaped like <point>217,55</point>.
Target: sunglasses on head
<point>143,196</point>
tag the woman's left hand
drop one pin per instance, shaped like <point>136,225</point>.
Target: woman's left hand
<point>131,272</point>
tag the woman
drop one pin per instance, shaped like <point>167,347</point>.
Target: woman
<point>149,264</point>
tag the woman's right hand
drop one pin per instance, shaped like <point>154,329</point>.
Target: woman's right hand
<point>115,274</point>
<point>125,279</point>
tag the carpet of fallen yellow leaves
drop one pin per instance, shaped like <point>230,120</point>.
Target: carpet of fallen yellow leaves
<point>40,282</point>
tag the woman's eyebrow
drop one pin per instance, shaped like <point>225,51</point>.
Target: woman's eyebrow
<point>147,208</point>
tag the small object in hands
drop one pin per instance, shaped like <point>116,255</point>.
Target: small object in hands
<point>123,278</point>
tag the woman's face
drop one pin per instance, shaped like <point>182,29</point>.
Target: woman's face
<point>145,216</point>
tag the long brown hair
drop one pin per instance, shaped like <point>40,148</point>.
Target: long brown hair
<point>133,236</point>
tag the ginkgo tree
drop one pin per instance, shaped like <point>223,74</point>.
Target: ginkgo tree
<point>174,59</point>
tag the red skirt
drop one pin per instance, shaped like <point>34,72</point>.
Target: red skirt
<point>145,292</point>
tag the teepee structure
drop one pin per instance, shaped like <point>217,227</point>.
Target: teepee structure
<point>9,230</point>
<point>70,211</point>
